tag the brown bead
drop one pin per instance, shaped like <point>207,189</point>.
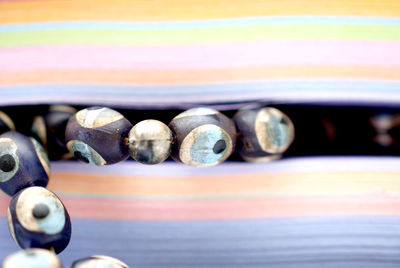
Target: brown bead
<point>150,142</point>
<point>202,137</point>
<point>264,133</point>
<point>98,136</point>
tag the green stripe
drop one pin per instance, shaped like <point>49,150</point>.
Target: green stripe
<point>200,36</point>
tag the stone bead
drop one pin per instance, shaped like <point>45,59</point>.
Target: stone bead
<point>98,136</point>
<point>23,163</point>
<point>150,142</point>
<point>32,258</point>
<point>202,137</point>
<point>6,123</point>
<point>264,133</point>
<point>386,128</point>
<point>38,219</point>
<point>49,129</point>
<point>98,261</point>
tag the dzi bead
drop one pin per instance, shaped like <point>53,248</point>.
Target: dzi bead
<point>202,137</point>
<point>98,261</point>
<point>264,133</point>
<point>150,142</point>
<point>32,258</point>
<point>23,163</point>
<point>49,129</point>
<point>98,136</point>
<point>6,123</point>
<point>38,219</point>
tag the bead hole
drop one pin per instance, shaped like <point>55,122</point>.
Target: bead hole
<point>7,163</point>
<point>219,147</point>
<point>80,156</point>
<point>40,211</point>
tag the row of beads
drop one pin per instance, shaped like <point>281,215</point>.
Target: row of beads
<point>197,137</point>
<point>38,221</point>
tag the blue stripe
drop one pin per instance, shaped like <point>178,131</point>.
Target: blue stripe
<point>292,242</point>
<point>235,22</point>
<point>302,87</point>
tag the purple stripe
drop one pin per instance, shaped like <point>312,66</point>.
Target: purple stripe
<point>286,52</point>
<point>345,242</point>
<point>293,165</point>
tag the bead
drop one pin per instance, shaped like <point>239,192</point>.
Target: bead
<point>6,123</point>
<point>202,137</point>
<point>23,163</point>
<point>150,142</point>
<point>264,133</point>
<point>98,261</point>
<point>386,129</point>
<point>98,136</point>
<point>50,130</point>
<point>38,219</point>
<point>32,258</point>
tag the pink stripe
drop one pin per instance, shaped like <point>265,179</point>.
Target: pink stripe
<point>318,52</point>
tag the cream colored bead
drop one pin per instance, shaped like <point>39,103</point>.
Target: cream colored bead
<point>150,142</point>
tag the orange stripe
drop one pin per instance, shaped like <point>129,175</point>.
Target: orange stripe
<point>156,10</point>
<point>189,186</point>
<point>365,205</point>
<point>186,77</point>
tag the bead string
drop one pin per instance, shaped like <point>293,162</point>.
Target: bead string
<point>38,220</point>
<point>197,137</point>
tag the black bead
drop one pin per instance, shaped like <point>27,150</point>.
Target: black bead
<point>38,219</point>
<point>100,135</point>
<point>49,130</point>
<point>23,163</point>
<point>265,133</point>
<point>203,137</point>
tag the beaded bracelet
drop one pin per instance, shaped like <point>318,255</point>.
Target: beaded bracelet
<point>198,137</point>
<point>38,220</point>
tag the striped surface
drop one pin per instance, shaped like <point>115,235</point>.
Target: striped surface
<point>305,212</point>
<point>176,49</point>
<point>300,211</point>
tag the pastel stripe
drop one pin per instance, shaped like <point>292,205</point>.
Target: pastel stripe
<point>184,96</point>
<point>276,52</point>
<point>159,10</point>
<point>255,208</point>
<point>198,36</point>
<point>172,170</point>
<point>225,186</point>
<point>196,77</point>
<point>345,242</point>
<point>203,24</point>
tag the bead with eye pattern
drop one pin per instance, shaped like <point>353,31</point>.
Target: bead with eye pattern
<point>6,123</point>
<point>150,142</point>
<point>98,136</point>
<point>49,130</point>
<point>38,219</point>
<point>202,137</point>
<point>99,261</point>
<point>264,133</point>
<point>32,258</point>
<point>23,163</point>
